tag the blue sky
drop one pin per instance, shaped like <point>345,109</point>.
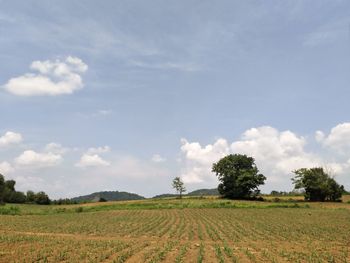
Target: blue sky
<point>126,95</point>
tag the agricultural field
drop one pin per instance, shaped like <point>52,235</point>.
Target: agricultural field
<point>188,230</point>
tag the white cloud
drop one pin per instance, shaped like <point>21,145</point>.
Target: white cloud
<point>52,78</point>
<point>103,112</point>
<point>198,160</point>
<point>276,153</point>
<point>98,150</point>
<point>55,148</point>
<point>10,138</point>
<point>187,67</point>
<point>6,168</point>
<point>34,183</point>
<point>125,173</point>
<point>91,160</point>
<point>319,136</point>
<point>157,158</point>
<point>31,158</point>
<point>338,139</point>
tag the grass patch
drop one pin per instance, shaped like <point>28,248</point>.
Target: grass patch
<point>149,204</point>
<point>9,210</point>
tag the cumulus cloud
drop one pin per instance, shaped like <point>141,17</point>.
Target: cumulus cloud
<point>198,160</point>
<point>51,78</point>
<point>6,168</point>
<point>319,136</point>
<point>277,154</point>
<point>98,150</point>
<point>55,148</point>
<point>31,158</point>
<point>91,160</point>
<point>156,158</point>
<point>10,138</point>
<point>103,112</point>
<point>338,138</point>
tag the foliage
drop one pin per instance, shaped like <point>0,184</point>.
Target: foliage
<point>318,185</point>
<point>63,201</point>
<point>15,197</point>
<point>179,186</point>
<point>2,188</point>
<point>284,193</point>
<point>42,199</point>
<point>30,196</point>
<point>239,177</point>
<point>8,194</point>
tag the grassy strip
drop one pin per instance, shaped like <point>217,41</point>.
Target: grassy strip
<point>142,205</point>
<point>9,210</point>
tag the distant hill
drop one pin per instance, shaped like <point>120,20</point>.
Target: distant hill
<point>164,196</point>
<point>213,191</point>
<point>107,196</point>
<point>198,192</point>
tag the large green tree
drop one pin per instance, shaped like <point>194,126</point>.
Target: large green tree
<point>2,188</point>
<point>317,184</point>
<point>239,177</point>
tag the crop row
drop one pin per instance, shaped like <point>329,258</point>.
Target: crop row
<point>179,235</point>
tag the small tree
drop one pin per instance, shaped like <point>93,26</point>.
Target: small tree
<point>239,177</point>
<point>318,185</point>
<point>179,186</point>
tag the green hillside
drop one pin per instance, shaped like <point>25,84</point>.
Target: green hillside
<point>199,192</point>
<point>107,196</point>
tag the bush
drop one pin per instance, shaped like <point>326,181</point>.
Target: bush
<point>42,199</point>
<point>79,209</point>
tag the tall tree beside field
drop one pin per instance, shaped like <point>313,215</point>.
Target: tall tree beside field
<point>317,184</point>
<point>239,177</point>
<point>179,186</point>
<point>2,188</point>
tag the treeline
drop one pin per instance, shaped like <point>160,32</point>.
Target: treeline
<point>8,194</point>
<point>64,201</point>
<point>285,193</point>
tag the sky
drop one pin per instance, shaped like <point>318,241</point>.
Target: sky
<point>127,95</point>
